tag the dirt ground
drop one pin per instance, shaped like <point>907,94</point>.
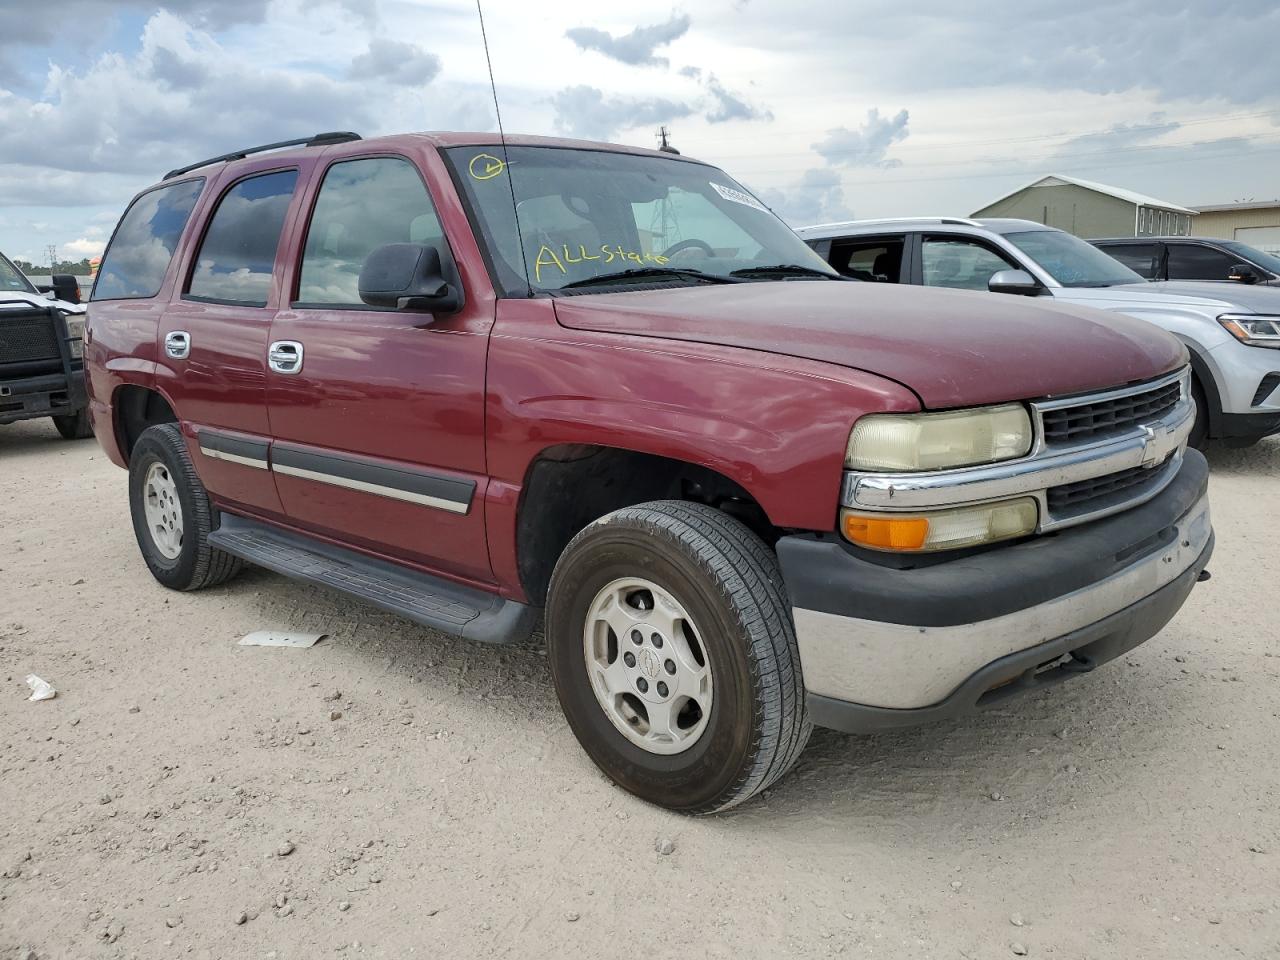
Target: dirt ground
<point>433,803</point>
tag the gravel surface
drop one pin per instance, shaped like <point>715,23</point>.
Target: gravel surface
<point>393,793</point>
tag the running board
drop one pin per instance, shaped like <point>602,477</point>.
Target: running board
<point>430,601</point>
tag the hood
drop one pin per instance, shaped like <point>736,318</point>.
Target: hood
<point>40,300</point>
<point>1241,297</point>
<point>953,348</point>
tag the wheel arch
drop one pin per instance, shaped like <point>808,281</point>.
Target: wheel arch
<point>134,409</point>
<point>568,486</point>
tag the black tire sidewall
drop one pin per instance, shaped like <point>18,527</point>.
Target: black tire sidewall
<point>694,779</point>
<point>1199,436</point>
<point>152,447</point>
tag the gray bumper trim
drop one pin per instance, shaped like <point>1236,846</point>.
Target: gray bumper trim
<point>1048,663</point>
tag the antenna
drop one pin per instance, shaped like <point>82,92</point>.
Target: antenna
<point>502,137</point>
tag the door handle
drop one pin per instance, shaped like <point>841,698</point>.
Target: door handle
<point>285,356</point>
<point>177,344</point>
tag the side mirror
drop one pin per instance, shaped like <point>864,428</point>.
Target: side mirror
<point>66,287</point>
<point>1013,281</point>
<point>1243,273</point>
<point>409,276</point>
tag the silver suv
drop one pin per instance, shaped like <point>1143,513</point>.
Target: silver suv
<point>1232,332</point>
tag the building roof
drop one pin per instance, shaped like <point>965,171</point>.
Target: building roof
<point>1128,196</point>
<point>1230,207</point>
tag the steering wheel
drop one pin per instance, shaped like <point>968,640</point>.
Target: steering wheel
<point>678,248</point>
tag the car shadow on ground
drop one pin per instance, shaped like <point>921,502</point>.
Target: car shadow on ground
<point>29,437</point>
<point>1262,456</point>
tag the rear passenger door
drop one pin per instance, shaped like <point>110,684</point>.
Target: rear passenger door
<point>379,426</point>
<point>1142,258</point>
<point>213,338</point>
<point>871,259</point>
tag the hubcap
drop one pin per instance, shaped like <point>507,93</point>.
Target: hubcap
<point>163,511</point>
<point>648,666</point>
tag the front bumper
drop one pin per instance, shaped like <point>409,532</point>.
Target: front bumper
<point>883,647</point>
<point>44,395</point>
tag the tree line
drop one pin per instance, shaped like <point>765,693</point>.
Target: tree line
<point>79,268</point>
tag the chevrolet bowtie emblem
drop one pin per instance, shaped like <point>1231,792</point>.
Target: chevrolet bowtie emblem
<point>1149,451</point>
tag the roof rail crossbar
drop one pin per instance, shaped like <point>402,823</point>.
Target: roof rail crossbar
<point>318,140</point>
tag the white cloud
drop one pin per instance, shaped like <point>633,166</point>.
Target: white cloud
<point>82,247</point>
<point>584,111</point>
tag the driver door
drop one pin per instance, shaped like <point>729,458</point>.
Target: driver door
<point>377,415</point>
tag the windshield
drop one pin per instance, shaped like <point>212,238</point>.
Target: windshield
<point>1268,261</point>
<point>589,213</point>
<point>11,278</point>
<point>1071,261</point>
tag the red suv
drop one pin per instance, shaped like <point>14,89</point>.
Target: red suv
<point>479,383</point>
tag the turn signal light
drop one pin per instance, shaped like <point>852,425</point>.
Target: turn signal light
<point>942,529</point>
<point>886,533</point>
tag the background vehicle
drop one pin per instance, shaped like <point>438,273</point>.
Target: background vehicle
<point>41,363</point>
<point>748,496</point>
<point>1193,258</point>
<point>1231,330</point>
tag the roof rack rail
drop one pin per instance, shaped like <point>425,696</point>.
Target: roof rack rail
<point>318,140</point>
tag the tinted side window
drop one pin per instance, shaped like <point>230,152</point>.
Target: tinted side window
<point>1138,257</point>
<point>363,204</point>
<point>1190,261</point>
<point>960,264</point>
<point>136,261</point>
<point>239,248</point>
<point>875,260</point>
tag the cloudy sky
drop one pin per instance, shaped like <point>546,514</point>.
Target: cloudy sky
<point>827,110</point>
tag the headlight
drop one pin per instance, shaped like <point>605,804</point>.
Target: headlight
<point>937,441</point>
<point>1253,330</point>
<point>75,331</point>
<point>941,529</point>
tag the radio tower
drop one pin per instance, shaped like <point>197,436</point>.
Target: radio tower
<point>52,251</point>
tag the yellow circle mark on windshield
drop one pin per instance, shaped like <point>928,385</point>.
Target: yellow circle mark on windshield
<point>485,167</point>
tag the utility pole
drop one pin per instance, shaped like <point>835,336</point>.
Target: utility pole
<point>52,250</point>
<point>664,137</point>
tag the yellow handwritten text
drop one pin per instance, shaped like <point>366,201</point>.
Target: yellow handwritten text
<point>564,258</point>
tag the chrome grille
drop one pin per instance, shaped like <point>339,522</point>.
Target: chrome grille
<point>1110,416</point>
<point>1072,496</point>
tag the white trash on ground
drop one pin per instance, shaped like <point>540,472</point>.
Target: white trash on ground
<point>281,638</point>
<point>40,689</point>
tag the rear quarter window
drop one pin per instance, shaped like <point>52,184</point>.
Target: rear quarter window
<point>139,254</point>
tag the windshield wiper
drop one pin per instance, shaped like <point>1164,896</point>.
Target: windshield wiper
<point>622,276</point>
<point>784,269</point>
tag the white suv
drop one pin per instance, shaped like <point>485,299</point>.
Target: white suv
<point>1232,331</point>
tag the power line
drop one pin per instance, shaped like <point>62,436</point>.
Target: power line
<point>1020,171</point>
<point>1070,135</point>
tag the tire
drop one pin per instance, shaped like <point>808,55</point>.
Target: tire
<point>1199,436</point>
<point>186,562</point>
<point>728,583</point>
<point>74,426</point>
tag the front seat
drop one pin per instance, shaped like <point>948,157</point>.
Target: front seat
<point>885,267</point>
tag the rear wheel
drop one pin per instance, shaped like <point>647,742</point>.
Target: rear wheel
<point>172,516</point>
<point>674,655</point>
<point>74,426</point>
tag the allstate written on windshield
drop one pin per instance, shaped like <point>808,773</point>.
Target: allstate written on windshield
<point>485,166</point>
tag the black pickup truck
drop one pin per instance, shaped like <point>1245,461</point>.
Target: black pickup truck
<point>41,370</point>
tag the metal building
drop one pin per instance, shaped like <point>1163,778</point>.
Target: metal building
<point>1257,224</point>
<point>1090,209</point>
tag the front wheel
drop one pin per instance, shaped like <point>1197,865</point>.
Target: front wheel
<point>674,655</point>
<point>1199,437</point>
<point>74,426</point>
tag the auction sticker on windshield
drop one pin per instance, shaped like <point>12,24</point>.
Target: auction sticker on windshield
<point>737,196</point>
